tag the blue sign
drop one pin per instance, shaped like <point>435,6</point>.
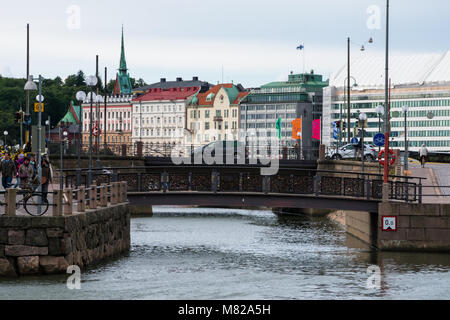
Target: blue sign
<point>354,141</point>
<point>335,131</point>
<point>379,140</point>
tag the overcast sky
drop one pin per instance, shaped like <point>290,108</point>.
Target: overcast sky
<point>254,40</point>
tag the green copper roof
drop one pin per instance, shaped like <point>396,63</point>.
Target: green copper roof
<point>232,93</point>
<point>69,117</point>
<point>123,77</point>
<point>123,62</point>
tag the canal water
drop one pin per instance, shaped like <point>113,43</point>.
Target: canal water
<point>238,254</point>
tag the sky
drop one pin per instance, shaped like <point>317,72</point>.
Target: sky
<point>253,42</point>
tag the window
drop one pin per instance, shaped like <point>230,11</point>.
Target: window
<point>206,125</point>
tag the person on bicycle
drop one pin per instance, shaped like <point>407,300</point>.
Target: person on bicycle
<point>26,173</point>
<point>423,155</point>
<point>8,169</point>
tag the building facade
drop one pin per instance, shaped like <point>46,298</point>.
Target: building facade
<point>159,118</point>
<point>420,82</point>
<point>214,114</point>
<point>299,97</point>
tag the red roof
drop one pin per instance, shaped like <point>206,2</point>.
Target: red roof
<point>168,94</point>
<point>202,101</point>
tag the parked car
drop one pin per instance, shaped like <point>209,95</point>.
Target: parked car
<point>235,148</point>
<point>349,152</point>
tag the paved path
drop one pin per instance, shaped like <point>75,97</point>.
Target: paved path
<point>438,176</point>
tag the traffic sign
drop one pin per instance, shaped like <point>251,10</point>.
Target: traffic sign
<point>36,107</point>
<point>379,140</point>
<point>389,223</point>
<point>354,141</point>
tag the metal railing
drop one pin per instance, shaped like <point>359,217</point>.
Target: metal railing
<point>64,201</point>
<point>249,179</point>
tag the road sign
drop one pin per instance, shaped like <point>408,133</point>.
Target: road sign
<point>389,223</point>
<point>379,140</point>
<point>354,141</point>
<point>36,107</point>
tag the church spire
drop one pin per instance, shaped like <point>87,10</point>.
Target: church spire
<point>123,62</point>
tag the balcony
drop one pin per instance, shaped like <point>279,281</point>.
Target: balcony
<point>218,119</point>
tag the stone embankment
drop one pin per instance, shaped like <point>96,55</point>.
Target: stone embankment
<point>49,245</point>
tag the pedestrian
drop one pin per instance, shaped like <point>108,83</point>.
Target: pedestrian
<point>26,173</point>
<point>19,161</point>
<point>423,155</point>
<point>46,177</point>
<point>34,165</point>
<point>8,169</point>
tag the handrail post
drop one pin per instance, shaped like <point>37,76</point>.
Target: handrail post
<point>81,199</point>
<point>68,204</point>
<point>114,193</point>
<point>368,189</point>
<point>103,196</point>
<point>420,191</point>
<point>58,207</point>
<point>93,197</point>
<point>10,199</point>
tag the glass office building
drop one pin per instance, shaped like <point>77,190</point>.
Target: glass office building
<point>420,82</point>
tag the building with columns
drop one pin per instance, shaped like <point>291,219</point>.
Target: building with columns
<point>214,114</point>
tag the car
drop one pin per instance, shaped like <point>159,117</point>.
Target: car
<point>235,148</point>
<point>349,152</point>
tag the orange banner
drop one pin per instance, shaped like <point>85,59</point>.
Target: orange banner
<point>296,128</point>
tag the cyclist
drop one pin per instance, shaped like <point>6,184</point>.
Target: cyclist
<point>423,155</point>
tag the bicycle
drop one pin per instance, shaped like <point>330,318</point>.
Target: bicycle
<point>31,201</point>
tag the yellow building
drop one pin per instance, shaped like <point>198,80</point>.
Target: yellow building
<point>214,114</point>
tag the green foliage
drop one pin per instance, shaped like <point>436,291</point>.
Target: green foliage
<point>57,94</point>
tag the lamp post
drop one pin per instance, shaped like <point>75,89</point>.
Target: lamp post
<point>340,114</point>
<point>91,81</point>
<point>5,133</point>
<point>81,97</point>
<point>47,123</point>
<point>386,113</point>
<point>405,109</point>
<point>61,140</point>
<point>31,86</point>
<point>97,123</point>
<point>362,118</point>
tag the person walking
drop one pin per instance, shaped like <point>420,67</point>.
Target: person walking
<point>46,177</point>
<point>26,173</point>
<point>423,155</point>
<point>8,169</point>
<point>18,161</point>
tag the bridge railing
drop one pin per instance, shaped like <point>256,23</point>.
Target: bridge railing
<point>218,179</point>
<point>68,201</point>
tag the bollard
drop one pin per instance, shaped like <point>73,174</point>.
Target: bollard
<point>68,202</point>
<point>103,195</point>
<point>58,205</point>
<point>114,193</point>
<point>93,197</point>
<point>81,199</point>
<point>10,199</point>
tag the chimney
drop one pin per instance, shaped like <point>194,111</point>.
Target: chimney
<point>163,80</point>
<point>179,79</point>
<point>195,79</point>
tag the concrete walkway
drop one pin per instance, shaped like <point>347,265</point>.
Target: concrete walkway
<point>437,177</point>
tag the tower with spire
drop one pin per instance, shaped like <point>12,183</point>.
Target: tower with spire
<point>123,82</point>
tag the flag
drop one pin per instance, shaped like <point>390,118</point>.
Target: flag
<point>316,129</point>
<point>296,128</point>
<point>279,128</point>
<point>301,47</point>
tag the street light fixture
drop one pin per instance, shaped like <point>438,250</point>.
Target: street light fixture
<point>99,100</point>
<point>30,85</point>
<point>91,81</point>
<point>405,110</point>
<point>81,97</point>
<point>5,133</point>
<point>61,140</point>
<point>363,118</point>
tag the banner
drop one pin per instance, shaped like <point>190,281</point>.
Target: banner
<point>316,129</point>
<point>296,128</point>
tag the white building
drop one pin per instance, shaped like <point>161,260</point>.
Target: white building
<point>159,118</point>
<point>421,82</point>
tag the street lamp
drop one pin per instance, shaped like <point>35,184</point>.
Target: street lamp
<point>405,110</point>
<point>5,133</point>
<point>61,140</point>
<point>81,97</point>
<point>97,124</point>
<point>30,85</point>
<point>91,81</point>
<point>363,118</point>
<point>341,122</point>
